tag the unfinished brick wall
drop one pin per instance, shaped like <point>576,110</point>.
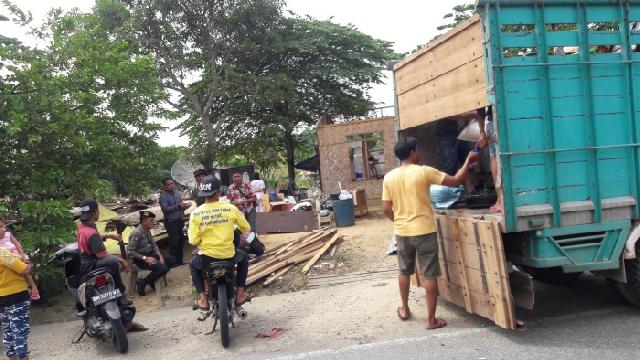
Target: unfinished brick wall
<point>335,164</point>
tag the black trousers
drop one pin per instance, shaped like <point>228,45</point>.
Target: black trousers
<point>200,262</point>
<point>175,230</point>
<point>157,271</point>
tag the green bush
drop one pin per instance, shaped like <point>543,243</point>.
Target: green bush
<point>43,228</point>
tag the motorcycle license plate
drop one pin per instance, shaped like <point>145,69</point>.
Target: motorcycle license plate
<point>108,296</point>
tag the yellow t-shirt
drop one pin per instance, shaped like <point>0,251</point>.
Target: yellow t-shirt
<point>407,187</point>
<point>11,265</point>
<point>211,229</point>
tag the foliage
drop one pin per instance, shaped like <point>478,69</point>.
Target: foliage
<point>309,69</point>
<point>460,13</point>
<point>74,112</point>
<point>45,226</point>
<point>198,46</point>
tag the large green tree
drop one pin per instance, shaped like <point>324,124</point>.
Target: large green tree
<point>307,69</point>
<point>75,110</point>
<point>199,47</point>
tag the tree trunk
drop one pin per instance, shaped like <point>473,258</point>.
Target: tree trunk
<point>207,163</point>
<point>290,146</point>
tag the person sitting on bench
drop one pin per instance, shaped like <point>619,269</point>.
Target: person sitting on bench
<point>145,254</point>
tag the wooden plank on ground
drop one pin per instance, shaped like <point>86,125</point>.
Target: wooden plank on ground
<point>286,221</point>
<point>320,252</point>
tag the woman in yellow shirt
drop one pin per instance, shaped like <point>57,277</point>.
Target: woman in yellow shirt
<point>14,304</point>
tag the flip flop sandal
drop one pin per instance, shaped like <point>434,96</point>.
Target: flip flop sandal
<point>441,323</point>
<point>197,306</point>
<point>247,300</point>
<point>35,295</point>
<point>403,318</point>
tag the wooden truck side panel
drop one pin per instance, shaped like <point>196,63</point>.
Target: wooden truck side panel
<point>445,78</point>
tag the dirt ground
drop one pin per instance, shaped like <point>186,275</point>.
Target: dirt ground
<point>363,249</point>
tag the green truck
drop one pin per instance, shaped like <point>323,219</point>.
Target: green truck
<point>563,80</point>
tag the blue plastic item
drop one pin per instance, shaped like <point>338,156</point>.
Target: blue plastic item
<point>444,197</point>
<point>343,213</point>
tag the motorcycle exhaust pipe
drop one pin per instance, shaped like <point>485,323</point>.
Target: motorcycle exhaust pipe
<point>241,312</point>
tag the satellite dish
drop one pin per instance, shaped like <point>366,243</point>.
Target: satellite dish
<point>182,173</point>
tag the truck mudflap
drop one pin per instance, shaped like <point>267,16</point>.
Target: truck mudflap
<point>474,272</point>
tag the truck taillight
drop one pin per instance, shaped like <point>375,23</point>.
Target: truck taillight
<point>101,280</point>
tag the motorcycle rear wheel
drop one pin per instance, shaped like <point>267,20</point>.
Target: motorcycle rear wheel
<point>223,314</point>
<point>119,335</point>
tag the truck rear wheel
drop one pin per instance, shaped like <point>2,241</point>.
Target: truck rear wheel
<point>630,291</point>
<point>553,275</point>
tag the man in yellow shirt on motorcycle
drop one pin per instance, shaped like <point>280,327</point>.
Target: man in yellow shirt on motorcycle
<point>211,228</point>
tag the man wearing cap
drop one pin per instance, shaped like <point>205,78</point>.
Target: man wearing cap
<point>93,253</point>
<point>198,175</point>
<point>173,209</point>
<point>211,230</point>
<point>145,254</point>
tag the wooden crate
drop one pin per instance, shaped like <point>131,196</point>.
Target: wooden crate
<point>443,79</point>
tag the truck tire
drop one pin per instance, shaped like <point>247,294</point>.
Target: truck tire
<point>553,275</point>
<point>630,292</point>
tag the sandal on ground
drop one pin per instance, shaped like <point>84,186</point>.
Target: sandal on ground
<point>197,306</point>
<point>35,295</point>
<point>246,300</point>
<point>405,317</point>
<point>440,323</point>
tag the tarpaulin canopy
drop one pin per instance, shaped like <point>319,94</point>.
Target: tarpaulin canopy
<point>311,164</point>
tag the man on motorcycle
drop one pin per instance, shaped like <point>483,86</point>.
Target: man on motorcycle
<point>211,230</point>
<point>93,253</point>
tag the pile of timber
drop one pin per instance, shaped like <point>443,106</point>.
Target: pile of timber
<point>273,264</point>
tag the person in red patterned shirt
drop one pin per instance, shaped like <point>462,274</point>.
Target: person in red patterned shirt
<point>242,196</point>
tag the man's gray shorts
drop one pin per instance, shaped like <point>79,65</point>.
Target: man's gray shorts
<point>423,247</point>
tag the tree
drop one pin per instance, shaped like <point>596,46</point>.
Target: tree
<point>75,111</point>
<point>311,68</point>
<point>197,46</point>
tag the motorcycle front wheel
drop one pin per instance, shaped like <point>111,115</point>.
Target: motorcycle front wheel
<point>223,314</point>
<point>119,335</point>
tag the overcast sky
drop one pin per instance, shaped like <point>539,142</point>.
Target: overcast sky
<point>406,23</point>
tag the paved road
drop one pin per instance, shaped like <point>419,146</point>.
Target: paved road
<point>584,321</point>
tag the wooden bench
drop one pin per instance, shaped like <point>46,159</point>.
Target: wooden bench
<point>134,272</point>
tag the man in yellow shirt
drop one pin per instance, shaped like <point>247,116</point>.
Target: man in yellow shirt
<point>406,202</point>
<point>211,228</point>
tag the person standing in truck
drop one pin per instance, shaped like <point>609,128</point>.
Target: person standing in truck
<point>406,202</point>
<point>489,137</point>
<point>451,150</point>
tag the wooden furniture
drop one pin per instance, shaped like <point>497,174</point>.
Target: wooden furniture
<point>360,202</point>
<point>134,272</point>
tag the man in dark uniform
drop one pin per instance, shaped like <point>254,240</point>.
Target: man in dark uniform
<point>145,254</point>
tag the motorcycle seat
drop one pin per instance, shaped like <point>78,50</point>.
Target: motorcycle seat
<point>228,265</point>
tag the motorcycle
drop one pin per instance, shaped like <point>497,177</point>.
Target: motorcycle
<point>221,279</point>
<point>96,299</point>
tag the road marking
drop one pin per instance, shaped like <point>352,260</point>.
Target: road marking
<point>451,333</point>
<point>375,345</point>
